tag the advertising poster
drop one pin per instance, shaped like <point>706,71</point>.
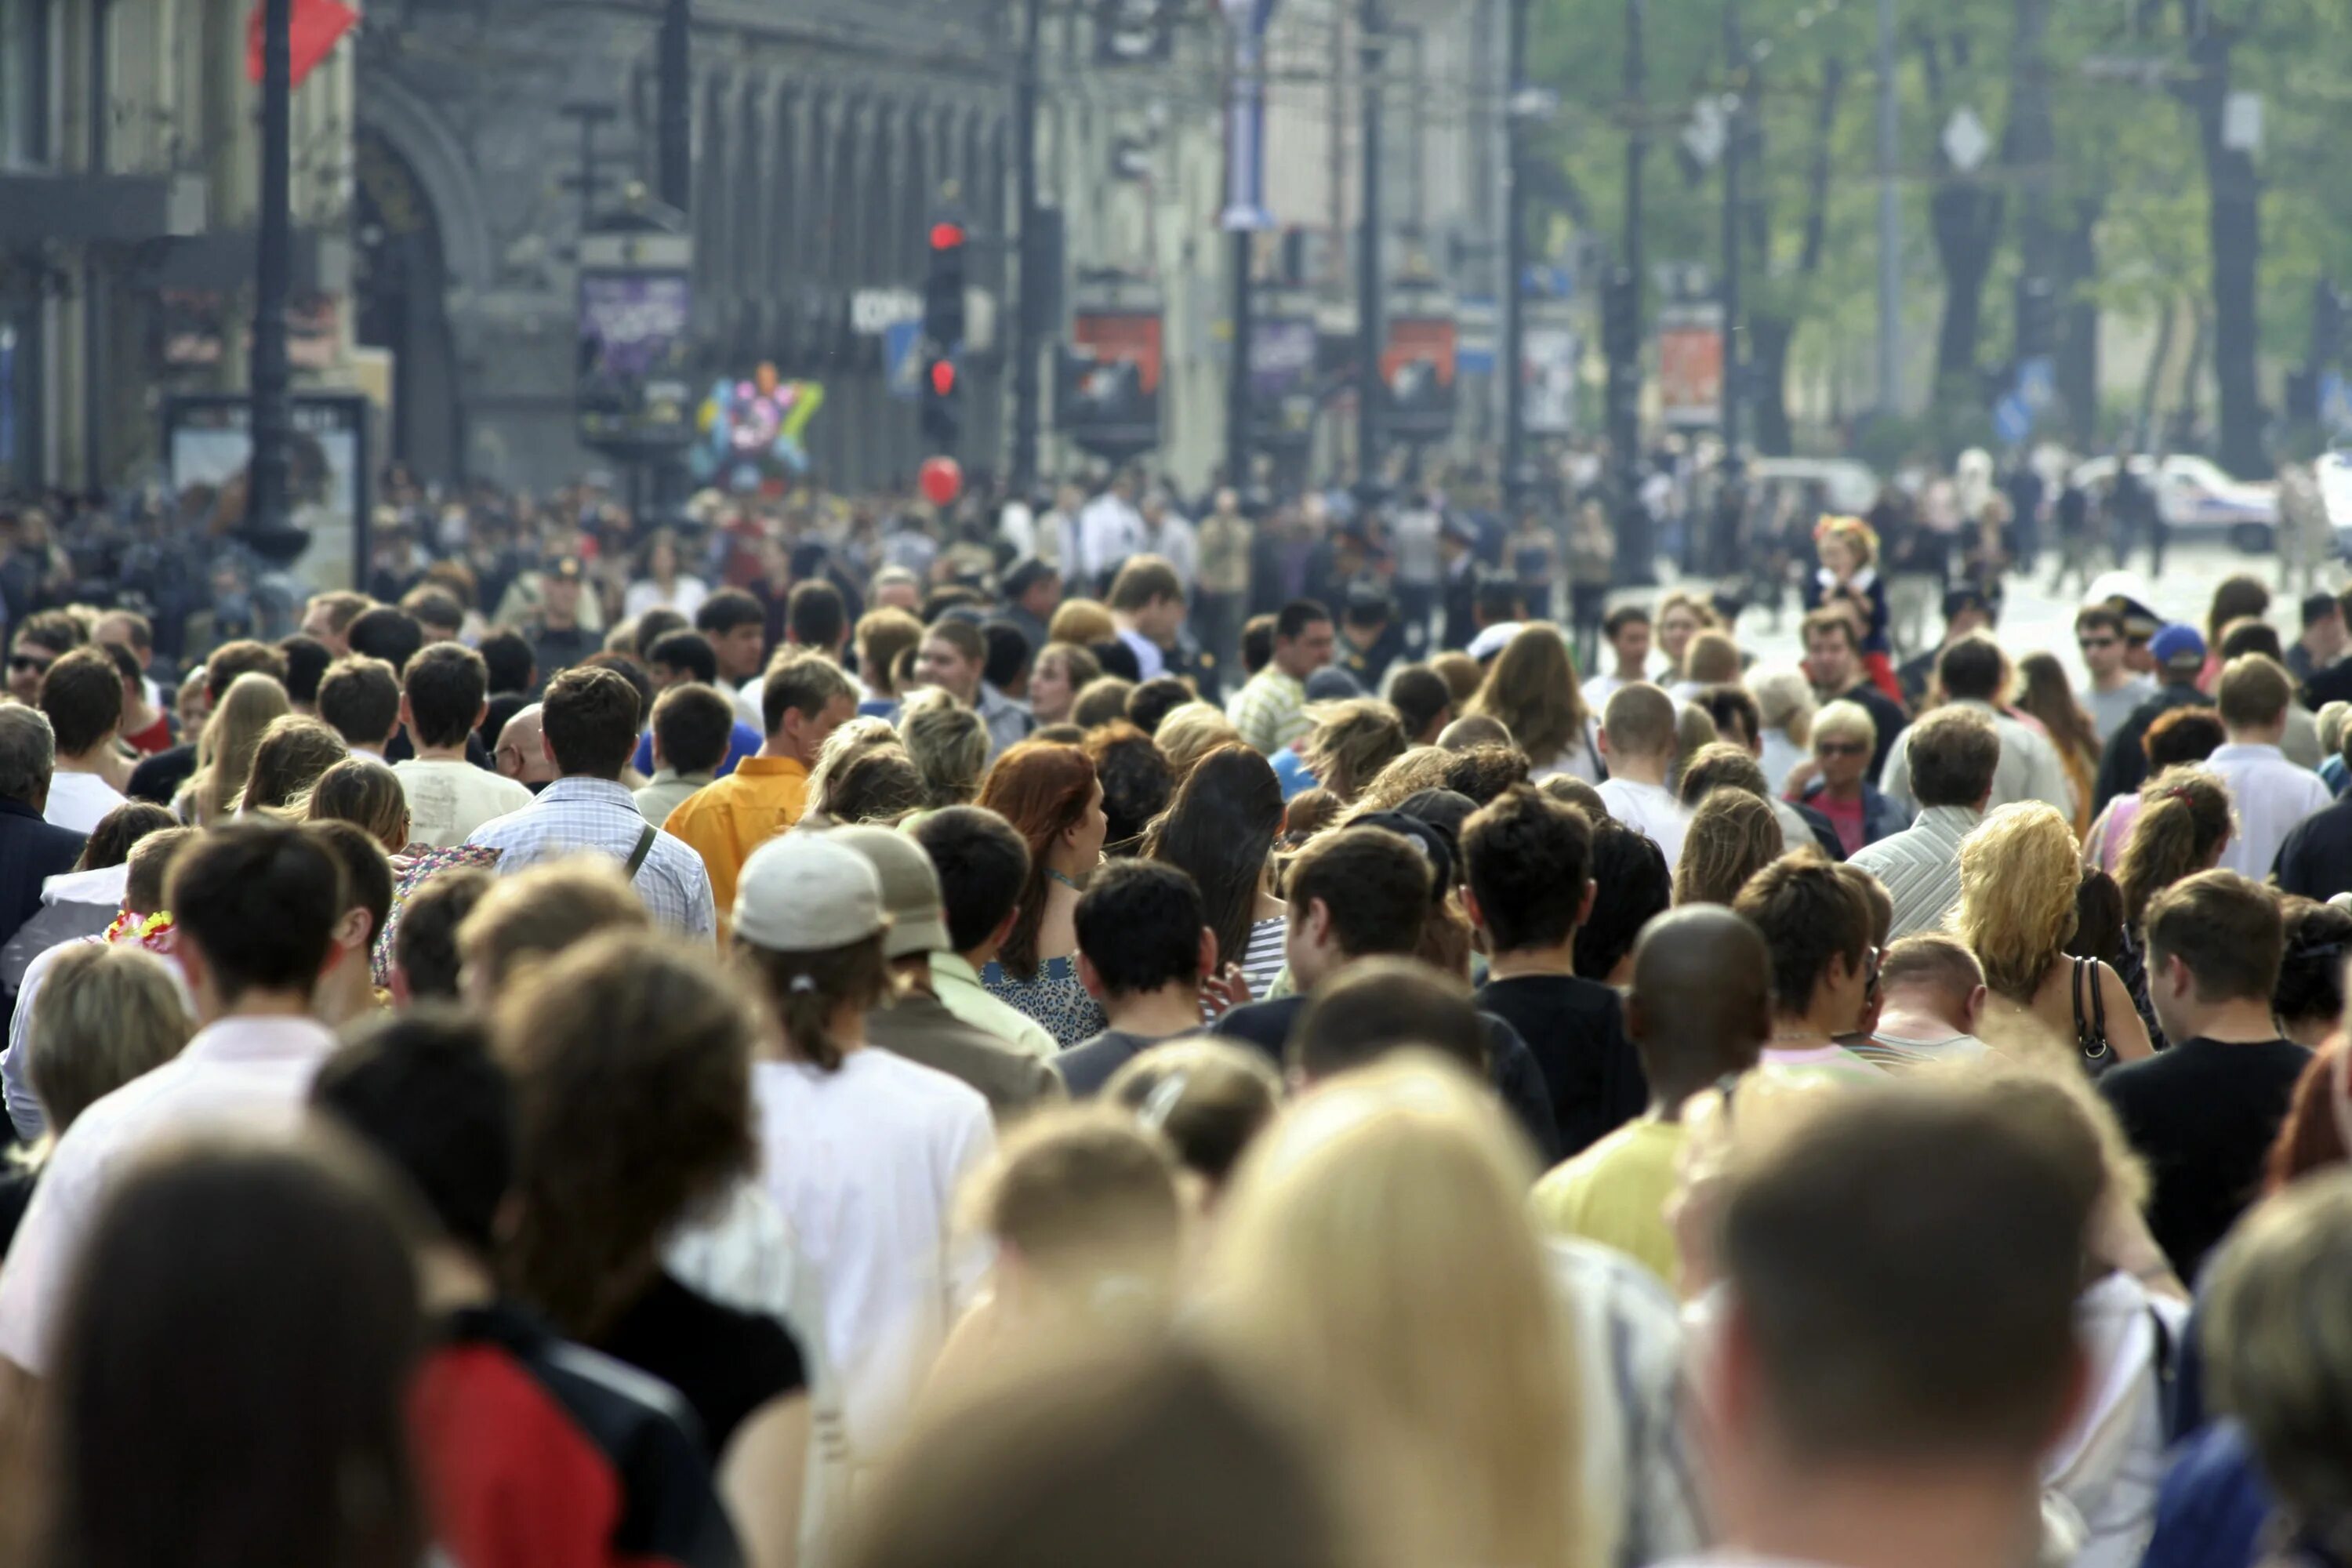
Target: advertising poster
<point>1282,378</point>
<point>1110,380</point>
<point>1549,354</point>
<point>1690,365</point>
<point>632,394</point>
<point>1417,371</point>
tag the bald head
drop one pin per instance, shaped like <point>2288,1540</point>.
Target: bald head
<point>1701,1005</point>
<point>523,748</point>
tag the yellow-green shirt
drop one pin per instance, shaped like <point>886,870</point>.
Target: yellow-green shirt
<point>1615,1193</point>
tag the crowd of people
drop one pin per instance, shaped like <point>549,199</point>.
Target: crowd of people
<point>1149,1043</point>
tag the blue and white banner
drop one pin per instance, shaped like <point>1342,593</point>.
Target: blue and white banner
<point>1246,117</point>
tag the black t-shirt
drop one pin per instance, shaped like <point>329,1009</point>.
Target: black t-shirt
<point>159,777</point>
<point>1088,1065</point>
<point>1576,1031</point>
<point>2316,859</point>
<point>725,1362</point>
<point>2203,1115</point>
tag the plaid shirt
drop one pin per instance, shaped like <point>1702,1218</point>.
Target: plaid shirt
<point>584,815</point>
<point>1271,711</point>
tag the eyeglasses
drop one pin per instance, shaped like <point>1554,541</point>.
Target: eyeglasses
<point>2093,645</point>
<point>1842,748</point>
<point>26,661</point>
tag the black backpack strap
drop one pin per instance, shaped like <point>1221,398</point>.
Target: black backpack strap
<point>644,848</point>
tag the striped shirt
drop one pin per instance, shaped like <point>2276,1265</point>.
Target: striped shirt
<point>597,817</point>
<point>1261,961</point>
<point>1920,867</point>
<point>1271,711</point>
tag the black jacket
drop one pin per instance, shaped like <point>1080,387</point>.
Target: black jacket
<point>1509,1064</point>
<point>2316,859</point>
<point>2123,767</point>
<point>31,852</point>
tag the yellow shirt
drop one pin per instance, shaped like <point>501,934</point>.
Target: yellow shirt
<point>724,821</point>
<point>1616,1193</point>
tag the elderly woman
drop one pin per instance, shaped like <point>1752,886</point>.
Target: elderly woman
<point>1784,706</point>
<point>2019,872</point>
<point>1845,735</point>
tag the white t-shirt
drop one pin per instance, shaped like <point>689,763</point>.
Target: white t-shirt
<point>865,1164</point>
<point>448,800</point>
<point>1653,809</point>
<point>80,801</point>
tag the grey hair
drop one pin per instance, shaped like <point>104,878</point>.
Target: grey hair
<point>28,751</point>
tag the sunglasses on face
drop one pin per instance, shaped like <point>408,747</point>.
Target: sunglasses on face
<point>1843,749</point>
<point>2092,645</point>
<point>26,661</point>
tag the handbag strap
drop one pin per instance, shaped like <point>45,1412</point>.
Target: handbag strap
<point>2091,1032</point>
<point>644,848</point>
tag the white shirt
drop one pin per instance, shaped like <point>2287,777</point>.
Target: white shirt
<point>865,1164</point>
<point>1579,759</point>
<point>80,801</point>
<point>1920,867</point>
<point>2029,768</point>
<point>1151,663</point>
<point>1179,543</point>
<point>748,699</point>
<point>239,1072</point>
<point>685,596</point>
<point>2272,795</point>
<point>2110,1466</point>
<point>1109,531</point>
<point>448,799</point>
<point>1652,810</point>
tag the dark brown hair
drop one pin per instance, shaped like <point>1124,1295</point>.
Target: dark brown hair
<point>806,989</point>
<point>1220,828</point>
<point>2225,928</point>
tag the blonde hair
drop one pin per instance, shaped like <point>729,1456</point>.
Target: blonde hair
<point>1732,835</point>
<point>2184,820</point>
<point>1088,1200</point>
<point>2019,871</point>
<point>1376,1262</point>
<point>1851,719</point>
<point>1084,622</point>
<point>1532,690</point>
<point>949,744</point>
<point>538,912</point>
<point>225,755</point>
<point>1858,535</point>
<point>1784,701</point>
<point>103,1015</point>
<point>294,750</point>
<point>1350,743</point>
<point>852,741</point>
<point>1191,731</point>
<point>1711,659</point>
<point>1420,768</point>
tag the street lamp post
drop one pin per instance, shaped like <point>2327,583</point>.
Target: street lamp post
<point>1890,232</point>
<point>675,124</point>
<point>1514,266</point>
<point>1026,415</point>
<point>1244,217</point>
<point>1736,85</point>
<point>1368,261</point>
<point>266,499</point>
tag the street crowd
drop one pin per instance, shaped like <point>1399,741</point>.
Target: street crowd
<point>1056,1033</point>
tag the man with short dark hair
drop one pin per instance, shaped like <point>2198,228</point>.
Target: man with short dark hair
<point>691,730</point>
<point>1374,1006</point>
<point>1973,673</point>
<point>254,908</point>
<point>507,659</point>
<point>2272,795</point>
<point>390,634</point>
<point>2324,638</point>
<point>436,610</point>
<point>1637,741</point>
<point>2114,689</point>
<point>440,702</point>
<point>806,700</point>
<point>1528,862</point>
<point>514,1426</point>
<point>1894,1344</point>
<point>1147,605</point>
<point>1966,610</point>
<point>816,619</point>
<point>736,624</point>
<point>32,848</point>
<point>2204,1112</point>
<point>359,697</point>
<point>674,658</point>
<point>982,865</point>
<point>327,618</point>
<point>1833,664</point>
<point>1817,930</point>
<point>1629,632</point>
<point>1270,710</point>
<point>426,962</point>
<point>588,725</point>
<point>307,662</point>
<point>1953,755</point>
<point>1144,945</point>
<point>82,696</point>
<point>1364,892</point>
<point>1699,1010</point>
<point>1033,591</point>
<point>346,987</point>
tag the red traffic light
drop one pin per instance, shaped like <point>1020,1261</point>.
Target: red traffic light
<point>943,377</point>
<point>945,235</point>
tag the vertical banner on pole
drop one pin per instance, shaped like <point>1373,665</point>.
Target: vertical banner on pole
<point>1246,119</point>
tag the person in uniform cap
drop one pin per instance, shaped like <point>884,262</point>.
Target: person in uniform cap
<point>1370,638</point>
<point>558,640</point>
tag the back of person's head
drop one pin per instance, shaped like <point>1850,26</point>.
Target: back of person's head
<point>149,867</point>
<point>1700,1004</point>
<point>1630,883</point>
<point>806,684</point>
<point>1427,1347</point>
<point>1189,732</point>
<point>983,866</point>
<point>1306,814</point>
<point>1140,927</point>
<point>540,912</point>
<point>814,615</point>
<point>423,1090</point>
<point>1210,1100</point>
<point>1350,743</point>
<point>1472,730</point>
<point>1731,836</point>
<point>1044,789</point>
<point>2316,937</point>
<point>425,959</point>
<point>1153,700</point>
<point>1639,722</point>
<point>2286,1379</point>
<point>1972,668</point>
<point>2246,636</point>
<point>1528,862</point>
<point>1877,903</point>
<point>689,654</point>
<point>258,904</point>
<point>293,751</point>
<point>1038,1471</point>
<point>1420,698</point>
<point>82,696</point>
<point>307,660</point>
<point>2098,919</point>
<point>366,876</point>
<point>879,785</point>
<point>1136,782</point>
<point>1531,690</point>
<point>810,926</point>
<point>119,831</point>
<point>2254,692</point>
<point>1484,771</point>
<point>1861,1344</point>
<point>2183,736</point>
<point>102,1015</point>
<point>1723,765</point>
<point>1102,701</point>
<point>1808,917</point>
<point>1143,581</point>
<point>390,634</point>
<point>1734,710</point>
<point>366,793</point>
<point>288,1261</point>
<point>693,726</point>
<point>632,1060</point>
<point>1953,753</point>
<point>2185,819</point>
<point>882,635</point>
<point>231,659</point>
<point>2020,873</point>
<point>1711,659</point>
<point>445,684</point>
<point>1084,622</point>
<point>2238,595</point>
<point>2224,929</point>
<point>1376,1006</point>
<point>1008,660</point>
<point>1932,964</point>
<point>1576,794</point>
<point>29,752</point>
<point>507,656</point>
<point>1372,884</point>
<point>1086,1200</point>
<point>360,697</point>
<point>636,638</point>
<point>1220,828</point>
<point>948,744</point>
<point>590,717</point>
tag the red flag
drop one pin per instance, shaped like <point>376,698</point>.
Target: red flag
<point>317,26</point>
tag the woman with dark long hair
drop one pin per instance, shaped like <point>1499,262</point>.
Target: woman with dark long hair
<point>1219,830</point>
<point>2044,697</point>
<point>1049,794</point>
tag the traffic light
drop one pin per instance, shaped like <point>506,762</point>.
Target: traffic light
<point>942,416</point>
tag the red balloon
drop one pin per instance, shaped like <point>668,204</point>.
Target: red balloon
<point>941,479</point>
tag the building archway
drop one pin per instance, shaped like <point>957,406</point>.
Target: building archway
<point>402,290</point>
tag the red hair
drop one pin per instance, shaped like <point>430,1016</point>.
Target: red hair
<point>2311,1138</point>
<point>1042,788</point>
